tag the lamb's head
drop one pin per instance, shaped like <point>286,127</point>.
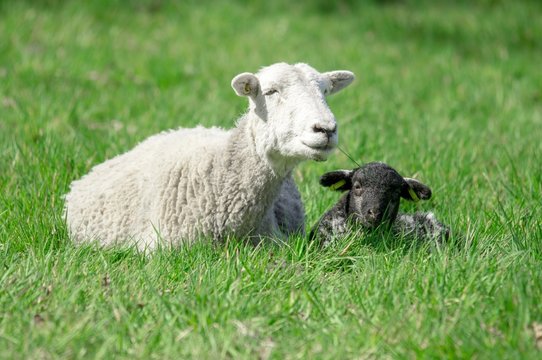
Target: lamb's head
<point>375,192</point>
<point>288,102</point>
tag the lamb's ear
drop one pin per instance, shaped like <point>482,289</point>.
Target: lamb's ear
<point>414,190</point>
<point>339,80</point>
<point>246,84</point>
<point>340,180</point>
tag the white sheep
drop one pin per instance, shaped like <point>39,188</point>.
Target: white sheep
<point>178,186</point>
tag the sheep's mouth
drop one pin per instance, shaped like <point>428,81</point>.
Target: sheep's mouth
<point>324,148</point>
<point>320,152</point>
<point>321,148</point>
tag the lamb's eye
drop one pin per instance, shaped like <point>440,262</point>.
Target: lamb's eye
<point>271,92</point>
<point>357,186</point>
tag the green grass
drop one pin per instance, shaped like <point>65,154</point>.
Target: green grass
<point>448,92</point>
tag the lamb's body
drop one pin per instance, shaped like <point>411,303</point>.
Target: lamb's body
<point>420,225</point>
<point>190,183</point>
<point>335,223</point>
<point>372,200</point>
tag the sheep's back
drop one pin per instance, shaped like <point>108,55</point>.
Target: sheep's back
<point>133,196</point>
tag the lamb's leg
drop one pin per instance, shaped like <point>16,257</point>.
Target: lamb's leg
<point>422,226</point>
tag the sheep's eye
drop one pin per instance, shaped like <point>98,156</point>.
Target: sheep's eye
<point>357,186</point>
<point>270,92</point>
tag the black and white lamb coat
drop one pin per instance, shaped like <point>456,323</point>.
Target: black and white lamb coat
<point>372,200</point>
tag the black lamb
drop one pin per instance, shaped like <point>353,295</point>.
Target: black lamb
<point>372,200</point>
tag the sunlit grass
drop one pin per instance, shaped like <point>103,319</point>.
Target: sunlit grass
<point>448,93</point>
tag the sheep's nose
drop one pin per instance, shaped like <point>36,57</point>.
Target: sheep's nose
<point>326,129</point>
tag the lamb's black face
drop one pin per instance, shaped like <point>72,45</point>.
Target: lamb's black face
<point>375,195</point>
<point>375,190</point>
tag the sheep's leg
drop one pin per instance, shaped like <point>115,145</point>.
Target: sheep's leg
<point>288,209</point>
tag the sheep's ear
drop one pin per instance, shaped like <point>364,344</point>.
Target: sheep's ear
<point>414,190</point>
<point>246,84</point>
<point>340,180</point>
<point>339,80</point>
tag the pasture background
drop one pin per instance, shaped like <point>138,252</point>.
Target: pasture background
<point>450,92</point>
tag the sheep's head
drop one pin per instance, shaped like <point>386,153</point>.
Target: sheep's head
<point>375,192</point>
<point>294,121</point>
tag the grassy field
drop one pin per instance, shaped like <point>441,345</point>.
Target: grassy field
<point>449,93</point>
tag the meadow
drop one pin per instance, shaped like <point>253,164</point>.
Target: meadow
<point>447,92</point>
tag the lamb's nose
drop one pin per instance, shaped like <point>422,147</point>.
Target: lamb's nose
<point>372,214</point>
<point>328,130</point>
